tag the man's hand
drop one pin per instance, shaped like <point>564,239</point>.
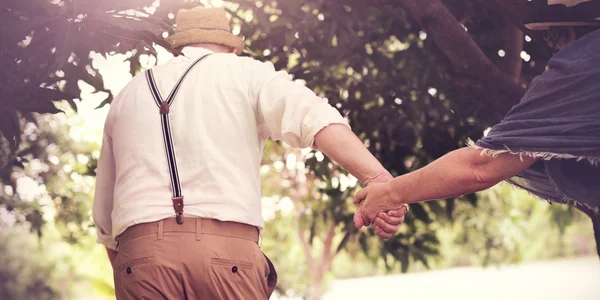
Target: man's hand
<point>378,206</point>
<point>386,223</point>
<point>342,146</point>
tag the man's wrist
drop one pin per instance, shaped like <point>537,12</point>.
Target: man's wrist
<point>382,176</point>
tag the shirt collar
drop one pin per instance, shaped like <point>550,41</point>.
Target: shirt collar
<point>195,52</point>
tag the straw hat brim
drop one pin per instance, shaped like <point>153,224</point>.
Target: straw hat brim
<point>547,25</point>
<point>213,36</point>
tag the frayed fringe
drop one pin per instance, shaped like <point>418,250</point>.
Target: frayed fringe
<point>595,161</point>
<point>564,200</point>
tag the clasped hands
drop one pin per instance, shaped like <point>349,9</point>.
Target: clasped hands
<point>378,207</point>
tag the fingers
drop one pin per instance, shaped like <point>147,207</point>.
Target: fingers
<point>366,221</point>
<point>387,227</point>
<point>390,219</point>
<point>358,220</point>
<point>361,195</point>
<point>387,224</point>
<point>382,233</point>
<point>398,212</point>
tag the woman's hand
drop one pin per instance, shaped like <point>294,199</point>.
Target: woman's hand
<point>386,221</point>
<point>378,205</point>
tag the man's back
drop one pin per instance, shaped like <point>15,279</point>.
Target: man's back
<point>215,136</point>
<point>220,119</point>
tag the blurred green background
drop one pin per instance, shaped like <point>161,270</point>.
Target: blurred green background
<point>403,89</point>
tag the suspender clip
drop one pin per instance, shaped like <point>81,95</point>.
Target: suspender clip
<point>178,206</point>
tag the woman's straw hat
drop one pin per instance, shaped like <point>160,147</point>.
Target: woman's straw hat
<point>204,25</point>
<point>560,13</point>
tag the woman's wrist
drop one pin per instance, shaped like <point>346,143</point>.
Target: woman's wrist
<point>395,193</point>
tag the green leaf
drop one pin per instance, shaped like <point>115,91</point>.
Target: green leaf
<point>404,260</point>
<point>40,101</point>
<point>9,126</point>
<point>420,213</point>
<point>472,198</point>
<point>362,240</point>
<point>52,94</point>
<point>436,208</point>
<point>72,104</point>
<point>106,101</point>
<point>420,257</point>
<point>109,19</point>
<point>28,116</point>
<point>134,63</point>
<point>81,73</point>
<point>450,205</point>
<point>343,242</point>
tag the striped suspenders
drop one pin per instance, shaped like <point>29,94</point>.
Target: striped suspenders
<point>163,105</point>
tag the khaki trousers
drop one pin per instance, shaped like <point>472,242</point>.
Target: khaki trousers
<point>199,259</point>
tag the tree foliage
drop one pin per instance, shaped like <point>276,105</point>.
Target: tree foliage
<point>399,89</point>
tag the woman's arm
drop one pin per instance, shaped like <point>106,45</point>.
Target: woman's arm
<point>457,173</point>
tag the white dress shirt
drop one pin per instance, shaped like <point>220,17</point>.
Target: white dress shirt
<point>225,110</point>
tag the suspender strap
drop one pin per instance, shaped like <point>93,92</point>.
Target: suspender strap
<point>163,105</point>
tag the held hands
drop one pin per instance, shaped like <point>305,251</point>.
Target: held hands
<point>377,207</point>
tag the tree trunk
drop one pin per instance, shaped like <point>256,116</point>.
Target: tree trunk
<point>318,265</point>
<point>316,285</point>
<point>464,55</point>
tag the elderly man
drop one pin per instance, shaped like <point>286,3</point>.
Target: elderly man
<point>196,126</point>
<point>548,144</point>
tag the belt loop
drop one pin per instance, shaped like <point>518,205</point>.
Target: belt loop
<point>198,229</point>
<point>161,225</point>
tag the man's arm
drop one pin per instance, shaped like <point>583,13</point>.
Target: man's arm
<point>457,173</point>
<point>103,196</point>
<point>342,146</point>
<point>293,113</point>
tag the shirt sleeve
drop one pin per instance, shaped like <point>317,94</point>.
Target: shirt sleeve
<point>103,198</point>
<point>290,111</point>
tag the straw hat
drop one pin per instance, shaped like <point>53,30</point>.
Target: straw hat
<point>204,25</point>
<point>561,13</point>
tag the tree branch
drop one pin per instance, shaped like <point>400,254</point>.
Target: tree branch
<point>300,231</point>
<point>513,46</point>
<point>515,12</point>
<point>297,192</point>
<point>462,52</point>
